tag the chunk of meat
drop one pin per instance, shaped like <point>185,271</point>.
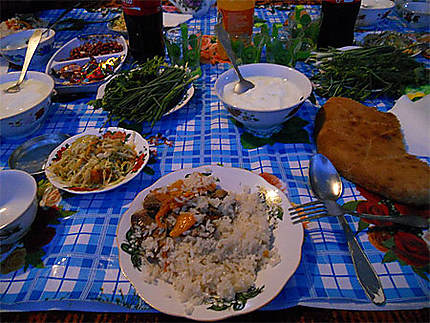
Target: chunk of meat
<point>219,193</point>
<point>151,204</point>
<point>141,219</point>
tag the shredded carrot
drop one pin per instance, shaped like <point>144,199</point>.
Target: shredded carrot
<point>176,185</point>
<point>165,266</point>
<point>209,52</point>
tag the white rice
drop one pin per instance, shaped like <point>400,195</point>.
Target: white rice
<point>227,254</point>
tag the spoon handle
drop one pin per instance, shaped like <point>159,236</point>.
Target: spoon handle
<point>225,41</point>
<point>411,220</point>
<point>31,48</point>
<point>366,274</point>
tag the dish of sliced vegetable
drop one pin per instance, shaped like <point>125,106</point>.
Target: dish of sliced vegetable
<point>94,161</point>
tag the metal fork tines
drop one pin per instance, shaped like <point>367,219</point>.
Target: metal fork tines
<point>308,211</point>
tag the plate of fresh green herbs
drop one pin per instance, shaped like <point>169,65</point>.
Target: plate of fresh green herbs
<point>362,73</point>
<point>145,93</point>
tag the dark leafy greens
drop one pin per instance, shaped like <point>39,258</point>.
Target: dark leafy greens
<point>132,248</point>
<point>283,45</point>
<point>146,93</point>
<point>186,52</point>
<point>239,301</point>
<point>364,72</point>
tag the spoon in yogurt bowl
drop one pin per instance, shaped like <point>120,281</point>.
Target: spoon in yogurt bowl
<point>31,48</point>
<point>243,85</point>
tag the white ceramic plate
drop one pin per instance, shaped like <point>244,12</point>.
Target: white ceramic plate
<point>141,147</point>
<point>187,97</point>
<point>288,240</point>
<point>59,59</point>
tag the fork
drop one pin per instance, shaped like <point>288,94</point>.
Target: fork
<point>319,209</point>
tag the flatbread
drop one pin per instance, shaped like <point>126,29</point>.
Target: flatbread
<point>367,148</point>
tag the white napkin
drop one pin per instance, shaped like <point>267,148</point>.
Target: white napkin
<point>174,19</point>
<point>414,119</point>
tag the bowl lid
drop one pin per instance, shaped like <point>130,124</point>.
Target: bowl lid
<point>32,155</point>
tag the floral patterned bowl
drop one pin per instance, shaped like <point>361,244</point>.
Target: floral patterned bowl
<point>373,11</point>
<point>14,46</point>
<point>24,112</point>
<point>18,205</point>
<point>264,123</point>
<point>417,14</point>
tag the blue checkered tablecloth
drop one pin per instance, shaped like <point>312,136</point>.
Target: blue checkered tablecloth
<point>81,263</point>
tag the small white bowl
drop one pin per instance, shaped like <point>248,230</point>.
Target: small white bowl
<point>373,11</point>
<point>24,112</point>
<point>264,123</point>
<point>417,14</point>
<point>14,46</point>
<point>18,205</point>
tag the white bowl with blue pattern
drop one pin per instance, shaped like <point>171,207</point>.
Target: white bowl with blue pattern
<point>373,12</point>
<point>24,112</point>
<point>265,122</point>
<point>18,200</point>
<point>13,47</point>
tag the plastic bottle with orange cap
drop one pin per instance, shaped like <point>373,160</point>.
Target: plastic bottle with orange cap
<point>238,21</point>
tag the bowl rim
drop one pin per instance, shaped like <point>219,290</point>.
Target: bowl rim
<point>51,34</point>
<point>49,79</point>
<point>369,7</point>
<point>231,70</point>
<point>29,202</point>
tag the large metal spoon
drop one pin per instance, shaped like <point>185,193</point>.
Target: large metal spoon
<point>31,48</point>
<point>327,185</point>
<point>243,85</point>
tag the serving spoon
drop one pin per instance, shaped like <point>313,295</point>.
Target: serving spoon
<point>327,186</point>
<point>31,48</point>
<point>243,85</point>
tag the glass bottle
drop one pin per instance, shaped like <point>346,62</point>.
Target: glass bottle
<point>337,23</point>
<point>144,21</point>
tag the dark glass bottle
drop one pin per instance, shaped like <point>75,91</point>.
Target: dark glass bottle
<point>337,23</point>
<point>144,21</point>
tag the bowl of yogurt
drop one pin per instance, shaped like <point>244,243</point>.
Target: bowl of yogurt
<point>374,11</point>
<point>14,46</point>
<point>278,94</point>
<point>24,112</point>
